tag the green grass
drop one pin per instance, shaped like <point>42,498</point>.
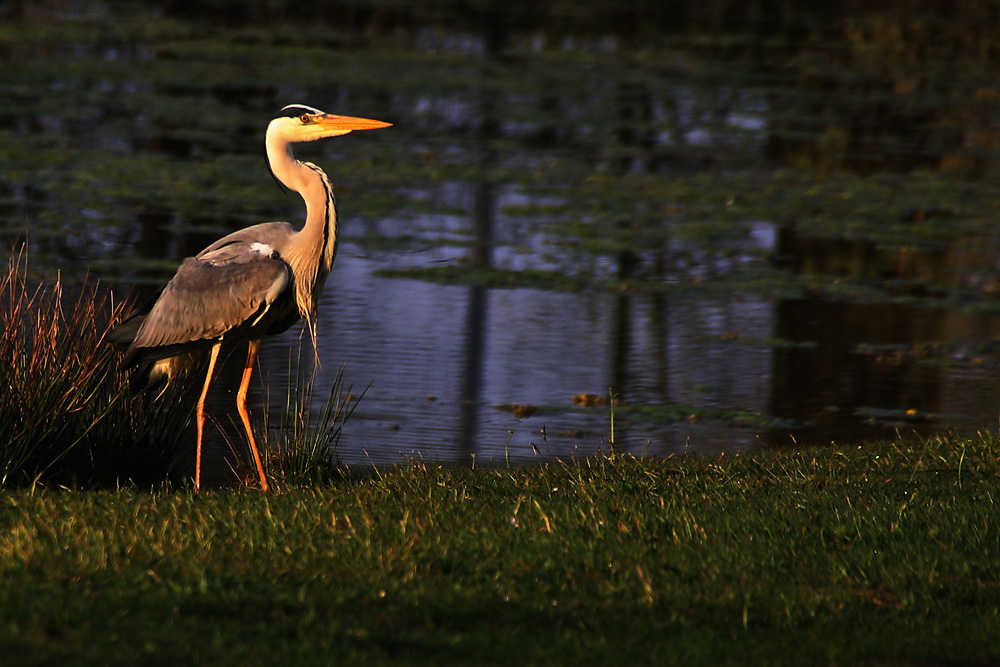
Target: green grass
<point>884,553</point>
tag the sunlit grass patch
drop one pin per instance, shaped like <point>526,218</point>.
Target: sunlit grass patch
<point>862,553</point>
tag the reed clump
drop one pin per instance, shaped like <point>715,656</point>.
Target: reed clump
<point>65,412</point>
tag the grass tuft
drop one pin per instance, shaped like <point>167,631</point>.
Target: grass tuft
<point>301,448</point>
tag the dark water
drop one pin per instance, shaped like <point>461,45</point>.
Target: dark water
<point>751,226</point>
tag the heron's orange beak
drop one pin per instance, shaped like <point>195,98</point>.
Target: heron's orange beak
<point>345,124</point>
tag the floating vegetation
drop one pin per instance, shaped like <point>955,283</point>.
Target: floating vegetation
<point>587,400</point>
<point>659,414</point>
<point>734,338</point>
<point>676,413</point>
<point>910,416</point>
<point>491,277</point>
<point>521,411</point>
<point>946,354</point>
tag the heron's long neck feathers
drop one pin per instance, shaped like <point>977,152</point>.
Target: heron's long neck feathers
<point>311,250</point>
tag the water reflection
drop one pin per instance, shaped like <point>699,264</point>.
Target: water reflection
<point>433,396</point>
<point>443,359</point>
<point>631,148</point>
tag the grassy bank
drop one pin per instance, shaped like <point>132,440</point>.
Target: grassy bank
<point>884,553</point>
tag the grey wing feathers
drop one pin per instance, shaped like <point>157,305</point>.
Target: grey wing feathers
<point>206,300</point>
<point>255,241</point>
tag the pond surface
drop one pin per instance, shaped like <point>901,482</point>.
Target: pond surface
<point>750,228</point>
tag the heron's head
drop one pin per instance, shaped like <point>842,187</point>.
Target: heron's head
<point>297,123</point>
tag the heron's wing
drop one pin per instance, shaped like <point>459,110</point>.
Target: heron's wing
<point>207,299</point>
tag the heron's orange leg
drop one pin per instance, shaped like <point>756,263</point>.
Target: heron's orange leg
<point>201,414</point>
<point>241,406</point>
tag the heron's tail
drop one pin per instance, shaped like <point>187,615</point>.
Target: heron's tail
<point>122,335</point>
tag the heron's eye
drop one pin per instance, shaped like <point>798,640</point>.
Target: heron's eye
<point>304,118</point>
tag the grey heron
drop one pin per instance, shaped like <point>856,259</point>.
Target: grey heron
<point>254,282</point>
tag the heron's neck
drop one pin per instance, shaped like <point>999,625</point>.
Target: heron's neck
<point>314,245</point>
